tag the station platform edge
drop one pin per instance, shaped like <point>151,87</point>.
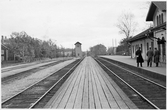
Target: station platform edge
<point>130,63</point>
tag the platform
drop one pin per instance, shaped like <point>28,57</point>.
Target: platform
<point>128,60</point>
<point>89,87</point>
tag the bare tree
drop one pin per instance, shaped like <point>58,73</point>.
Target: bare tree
<point>126,24</point>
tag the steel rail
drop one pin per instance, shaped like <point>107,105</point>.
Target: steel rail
<point>53,86</point>
<point>30,86</point>
<point>7,69</point>
<point>152,104</point>
<point>136,74</point>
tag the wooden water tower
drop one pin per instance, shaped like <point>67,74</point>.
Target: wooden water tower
<point>78,50</point>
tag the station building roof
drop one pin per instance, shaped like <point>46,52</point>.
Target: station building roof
<point>149,31</point>
<point>141,35</point>
<point>155,4</point>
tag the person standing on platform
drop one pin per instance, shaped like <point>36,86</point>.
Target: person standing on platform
<point>139,57</point>
<point>150,56</point>
<point>156,57</point>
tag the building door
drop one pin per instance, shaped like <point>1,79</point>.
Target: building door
<point>147,46</point>
<point>164,52</point>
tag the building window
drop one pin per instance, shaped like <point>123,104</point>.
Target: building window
<point>141,48</point>
<point>157,21</point>
<point>147,46</point>
<point>2,52</point>
<point>162,18</point>
<point>2,58</point>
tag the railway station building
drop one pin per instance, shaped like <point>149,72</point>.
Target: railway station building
<point>154,37</point>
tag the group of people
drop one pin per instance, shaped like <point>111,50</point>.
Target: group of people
<point>150,56</point>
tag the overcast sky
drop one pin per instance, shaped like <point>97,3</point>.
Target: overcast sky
<point>90,22</point>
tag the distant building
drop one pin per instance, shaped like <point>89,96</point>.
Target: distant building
<point>6,53</point>
<point>68,52</point>
<point>154,36</point>
<point>78,50</point>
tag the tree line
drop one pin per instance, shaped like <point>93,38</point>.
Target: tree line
<point>100,49</point>
<point>25,47</point>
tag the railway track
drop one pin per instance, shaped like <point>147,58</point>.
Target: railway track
<point>145,93</point>
<point>26,73</point>
<point>40,93</point>
<point>10,68</point>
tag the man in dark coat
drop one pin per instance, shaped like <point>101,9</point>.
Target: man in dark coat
<point>139,57</point>
<point>156,57</point>
<point>150,56</point>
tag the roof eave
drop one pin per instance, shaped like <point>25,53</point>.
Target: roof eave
<point>141,35</point>
<point>135,39</point>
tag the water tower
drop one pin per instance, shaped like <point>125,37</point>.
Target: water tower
<point>78,50</point>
